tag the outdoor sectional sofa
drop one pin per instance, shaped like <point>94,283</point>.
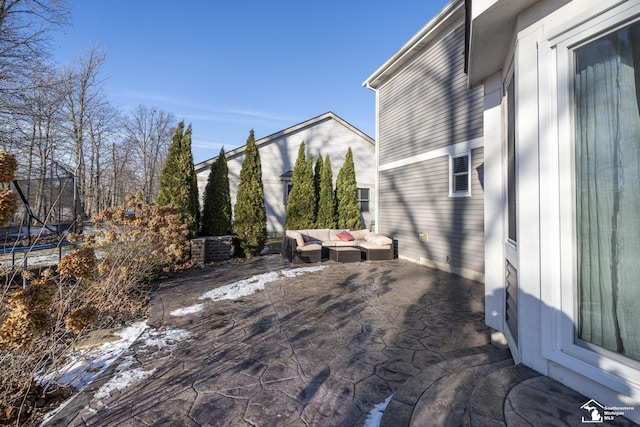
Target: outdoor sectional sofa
<point>310,246</point>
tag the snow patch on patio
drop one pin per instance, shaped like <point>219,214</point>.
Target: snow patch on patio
<point>254,283</point>
<point>241,288</point>
<point>123,378</point>
<point>187,310</point>
<point>295,272</point>
<point>84,366</point>
<point>375,415</point>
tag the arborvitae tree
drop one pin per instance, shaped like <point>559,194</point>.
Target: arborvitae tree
<point>250,215</point>
<point>301,205</point>
<point>327,199</point>
<point>178,182</point>
<point>317,178</point>
<point>216,209</point>
<point>347,195</point>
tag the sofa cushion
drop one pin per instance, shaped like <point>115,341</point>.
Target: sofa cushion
<point>359,234</point>
<point>320,234</point>
<point>369,245</point>
<point>309,247</point>
<point>340,244</point>
<point>378,239</point>
<point>345,236</point>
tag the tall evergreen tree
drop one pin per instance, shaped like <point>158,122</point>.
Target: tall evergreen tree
<point>216,210</point>
<point>250,215</point>
<point>327,199</point>
<point>301,205</point>
<point>178,182</point>
<point>347,195</point>
<point>317,179</point>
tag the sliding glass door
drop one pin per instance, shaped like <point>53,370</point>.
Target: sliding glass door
<point>607,186</point>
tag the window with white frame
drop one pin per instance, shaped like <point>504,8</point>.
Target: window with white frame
<point>460,175</point>
<point>363,199</point>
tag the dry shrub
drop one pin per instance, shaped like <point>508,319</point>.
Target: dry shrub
<point>81,318</point>
<point>80,264</point>
<point>8,167</point>
<point>153,233</point>
<point>29,316</point>
<point>8,205</point>
<point>105,283</point>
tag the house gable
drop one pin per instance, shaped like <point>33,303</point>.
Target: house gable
<point>327,134</point>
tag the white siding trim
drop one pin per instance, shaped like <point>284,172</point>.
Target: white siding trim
<point>450,150</point>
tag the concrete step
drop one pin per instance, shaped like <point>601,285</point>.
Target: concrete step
<point>482,387</point>
<point>487,401</point>
<point>439,394</point>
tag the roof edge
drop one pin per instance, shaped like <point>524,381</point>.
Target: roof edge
<point>447,15</point>
<point>297,127</point>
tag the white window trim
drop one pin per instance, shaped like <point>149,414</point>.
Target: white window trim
<point>452,158</point>
<point>558,184</point>
<point>511,246</point>
<point>449,150</point>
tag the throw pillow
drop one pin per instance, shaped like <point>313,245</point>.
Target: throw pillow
<point>345,236</point>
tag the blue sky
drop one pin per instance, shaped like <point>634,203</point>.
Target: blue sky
<point>230,66</point>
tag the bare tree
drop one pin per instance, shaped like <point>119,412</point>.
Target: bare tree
<point>83,99</point>
<point>25,27</point>
<point>149,130</point>
<point>101,128</point>
<point>36,117</point>
<point>121,172</point>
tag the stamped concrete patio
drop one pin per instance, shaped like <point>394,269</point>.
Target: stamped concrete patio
<point>323,349</point>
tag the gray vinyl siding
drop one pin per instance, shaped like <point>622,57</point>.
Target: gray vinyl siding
<point>427,105</point>
<point>414,199</point>
<point>424,109</point>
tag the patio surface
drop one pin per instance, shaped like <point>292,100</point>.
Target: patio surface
<point>323,349</point>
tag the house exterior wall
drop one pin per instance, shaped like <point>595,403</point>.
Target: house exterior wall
<point>326,136</point>
<point>425,114</point>
<point>542,39</point>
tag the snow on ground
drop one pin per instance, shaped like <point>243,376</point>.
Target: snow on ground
<point>126,376</point>
<point>295,272</point>
<point>35,258</point>
<point>242,288</point>
<point>254,283</point>
<point>375,415</point>
<point>85,366</point>
<point>187,310</point>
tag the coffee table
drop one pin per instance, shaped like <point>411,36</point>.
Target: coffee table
<point>344,254</point>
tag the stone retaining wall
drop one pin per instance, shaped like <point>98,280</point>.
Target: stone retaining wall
<point>211,249</point>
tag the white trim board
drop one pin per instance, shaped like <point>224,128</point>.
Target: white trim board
<point>450,150</point>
